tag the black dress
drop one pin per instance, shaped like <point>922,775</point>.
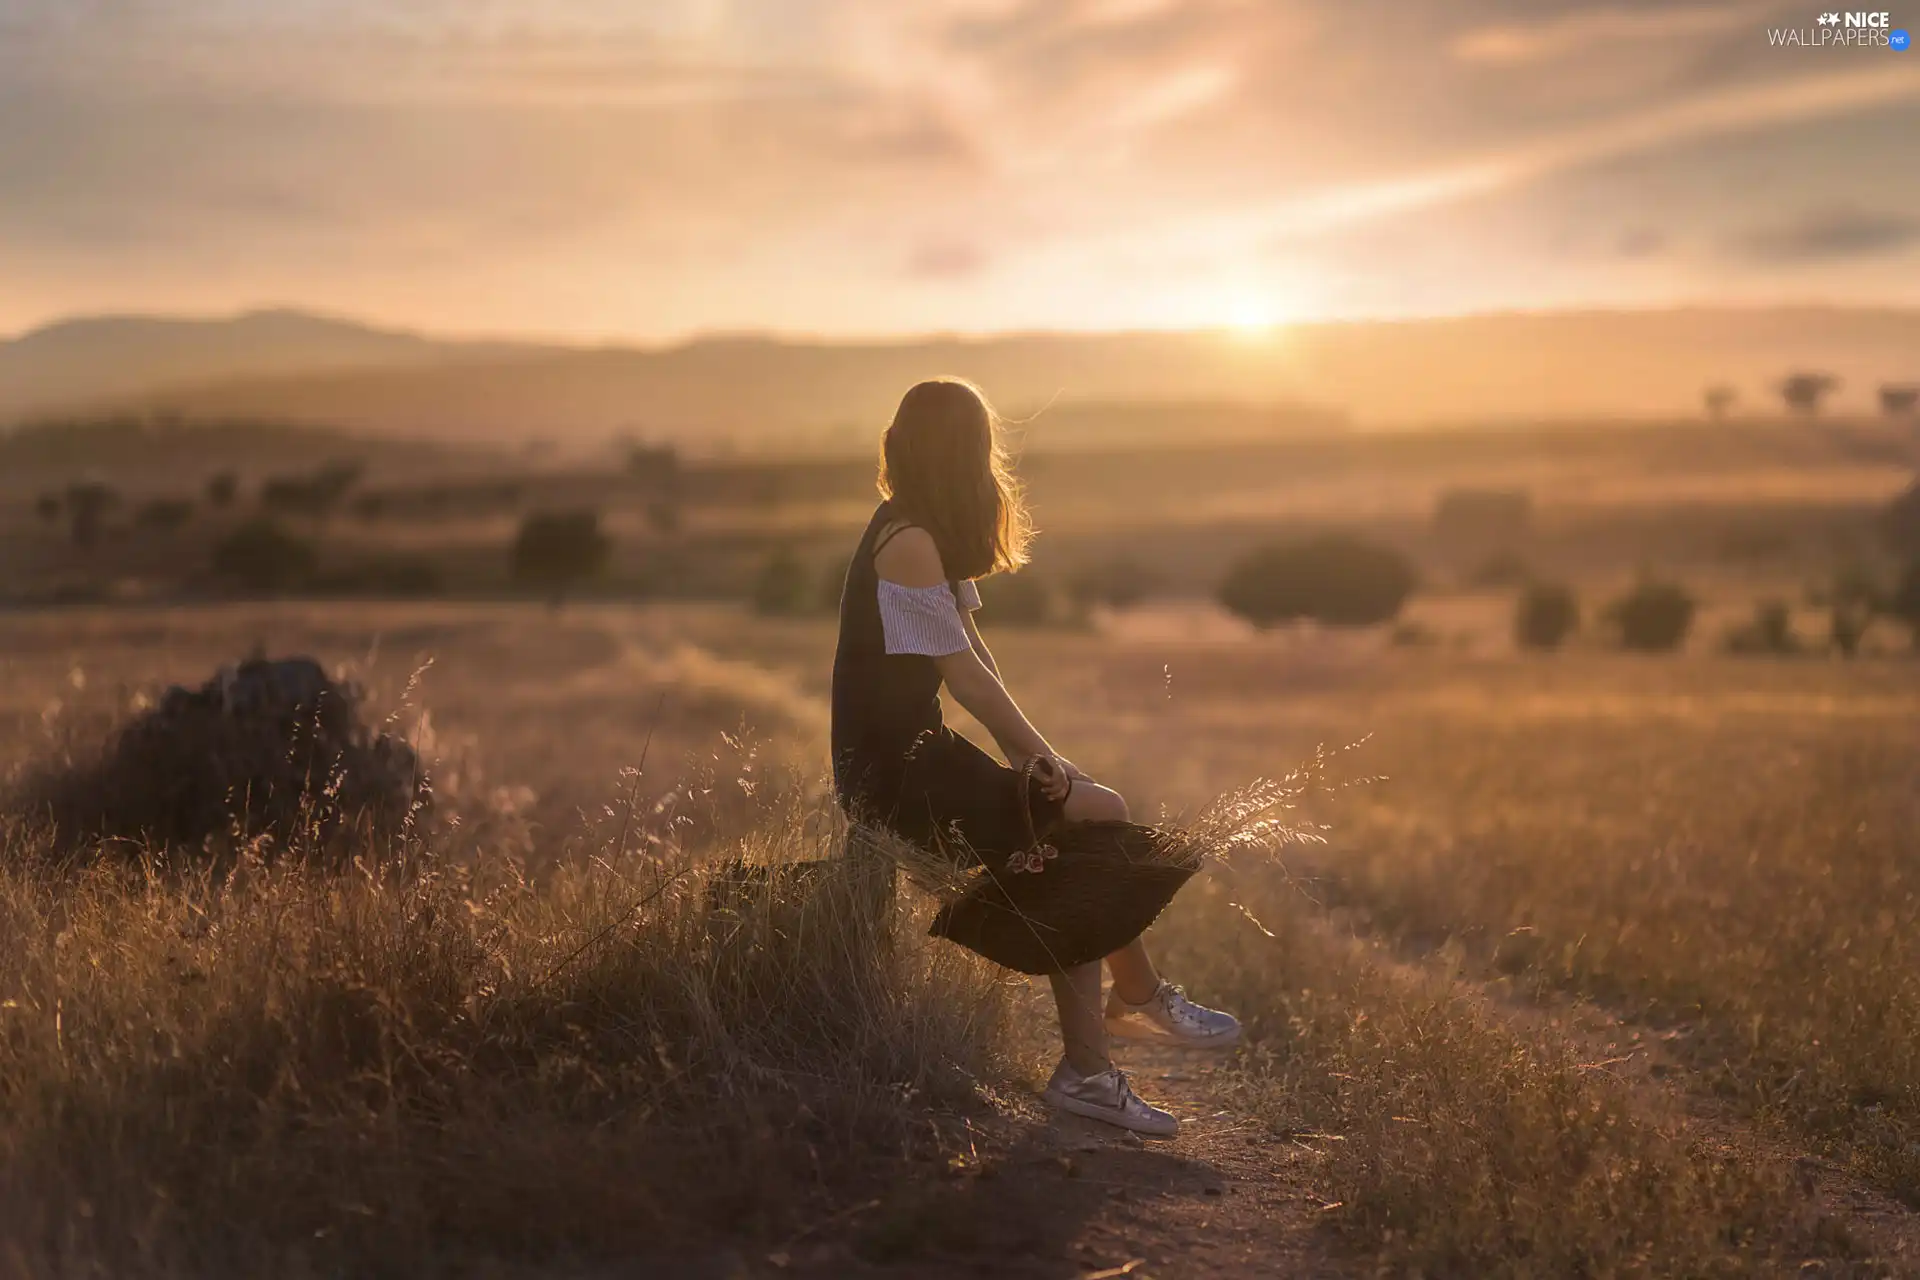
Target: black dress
<point>894,761</point>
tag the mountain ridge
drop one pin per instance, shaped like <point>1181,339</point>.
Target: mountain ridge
<point>751,389</point>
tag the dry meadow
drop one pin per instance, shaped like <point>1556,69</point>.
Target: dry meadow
<point>1606,967</point>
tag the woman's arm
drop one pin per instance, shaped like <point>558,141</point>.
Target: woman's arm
<point>979,643</point>
<point>910,559</point>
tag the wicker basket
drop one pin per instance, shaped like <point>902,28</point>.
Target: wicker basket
<point>1083,893</point>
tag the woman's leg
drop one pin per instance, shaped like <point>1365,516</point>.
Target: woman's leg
<point>1083,1028</point>
<point>1134,976</point>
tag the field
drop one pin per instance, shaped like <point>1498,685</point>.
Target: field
<point>1606,968</point>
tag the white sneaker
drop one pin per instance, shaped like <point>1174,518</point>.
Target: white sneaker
<point>1168,1017</point>
<point>1107,1096</point>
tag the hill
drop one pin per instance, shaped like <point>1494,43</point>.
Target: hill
<point>759,392</point>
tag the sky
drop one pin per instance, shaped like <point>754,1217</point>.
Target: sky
<point>656,168</point>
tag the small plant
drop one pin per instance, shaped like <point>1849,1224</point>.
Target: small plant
<point>1547,613</point>
<point>1770,631</point>
<point>1654,617</point>
<point>781,588</point>
<point>262,556</point>
<point>1336,579</point>
<point>557,550</point>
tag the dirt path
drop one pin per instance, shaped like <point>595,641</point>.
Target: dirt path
<point>1049,1195</point>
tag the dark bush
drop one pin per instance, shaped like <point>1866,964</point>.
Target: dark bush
<point>1653,617</point>
<point>264,748</point>
<point>48,506</point>
<point>1769,631</point>
<point>222,488</point>
<point>555,550</point>
<point>1337,580</point>
<point>781,588</point>
<point>262,556</point>
<point>1546,614</point>
<point>1023,599</point>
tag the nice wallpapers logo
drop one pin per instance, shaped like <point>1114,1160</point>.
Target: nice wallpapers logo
<point>1835,30</point>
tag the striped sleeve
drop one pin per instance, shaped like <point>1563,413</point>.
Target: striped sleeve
<point>923,620</point>
<point>967,595</point>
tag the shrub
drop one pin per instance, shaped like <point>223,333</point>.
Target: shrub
<point>262,556</point>
<point>1547,613</point>
<point>1769,631</point>
<point>1023,599</point>
<point>47,506</point>
<point>781,589</point>
<point>1337,580</point>
<point>316,494</point>
<point>1653,617</point>
<point>87,503</point>
<point>222,488</point>
<point>557,549</point>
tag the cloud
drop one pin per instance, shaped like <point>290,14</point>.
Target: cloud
<point>1586,32</point>
<point>946,259</point>
<point>1827,235</point>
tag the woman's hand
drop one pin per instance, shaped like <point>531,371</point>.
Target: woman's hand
<point>1073,770</point>
<point>1050,772</point>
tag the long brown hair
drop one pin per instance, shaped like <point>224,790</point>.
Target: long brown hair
<point>943,467</point>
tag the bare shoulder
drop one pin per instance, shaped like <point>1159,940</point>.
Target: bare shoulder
<point>911,559</point>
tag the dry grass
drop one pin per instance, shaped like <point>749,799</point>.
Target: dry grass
<point>399,1071</point>
<point>201,1074</point>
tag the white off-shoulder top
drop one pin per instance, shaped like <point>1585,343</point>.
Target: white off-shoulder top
<point>926,620</point>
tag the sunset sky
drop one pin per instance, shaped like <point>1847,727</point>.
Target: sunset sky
<point>652,168</point>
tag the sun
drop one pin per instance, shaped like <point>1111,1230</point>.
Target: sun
<point>1252,318</point>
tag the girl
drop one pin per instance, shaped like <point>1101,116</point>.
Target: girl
<point>952,513</point>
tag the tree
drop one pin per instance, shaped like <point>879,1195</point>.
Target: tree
<point>1899,401</point>
<point>1653,617</point>
<point>222,488</point>
<point>1720,400</point>
<point>1547,613</point>
<point>262,556</point>
<point>1853,600</point>
<point>1335,579</point>
<point>1769,631</point>
<point>1803,393</point>
<point>315,494</point>
<point>555,550</point>
<point>87,504</point>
